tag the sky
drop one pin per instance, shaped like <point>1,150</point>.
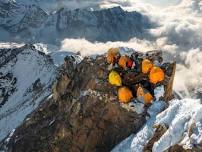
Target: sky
<point>163,3</point>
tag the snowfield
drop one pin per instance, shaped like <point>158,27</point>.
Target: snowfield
<point>184,119</point>
<point>26,79</point>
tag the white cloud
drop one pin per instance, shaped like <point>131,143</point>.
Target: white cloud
<point>89,48</point>
<point>189,73</point>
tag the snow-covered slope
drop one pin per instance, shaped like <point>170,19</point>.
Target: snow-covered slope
<point>30,23</point>
<point>184,121</point>
<point>26,76</point>
<point>136,142</point>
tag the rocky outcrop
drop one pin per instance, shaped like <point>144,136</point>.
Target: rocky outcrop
<point>83,113</point>
<point>170,74</point>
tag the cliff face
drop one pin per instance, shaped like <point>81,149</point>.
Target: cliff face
<point>83,114</point>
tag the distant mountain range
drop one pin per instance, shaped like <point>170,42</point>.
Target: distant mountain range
<point>30,23</point>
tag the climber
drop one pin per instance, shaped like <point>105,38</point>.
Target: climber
<point>146,66</point>
<point>113,55</point>
<point>156,75</point>
<point>115,78</point>
<point>144,95</point>
<point>124,95</point>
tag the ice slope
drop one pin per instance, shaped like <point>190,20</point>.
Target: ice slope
<point>26,76</point>
<point>184,119</point>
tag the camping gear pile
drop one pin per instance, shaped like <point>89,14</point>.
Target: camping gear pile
<point>137,75</point>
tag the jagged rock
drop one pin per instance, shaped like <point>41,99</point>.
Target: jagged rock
<point>160,130</point>
<point>84,113</point>
<point>170,74</point>
<point>66,75</point>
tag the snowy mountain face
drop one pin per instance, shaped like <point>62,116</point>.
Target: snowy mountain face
<point>20,19</point>
<point>29,23</point>
<point>104,25</point>
<point>26,77</point>
<point>182,127</point>
<point>53,5</point>
<point>10,13</point>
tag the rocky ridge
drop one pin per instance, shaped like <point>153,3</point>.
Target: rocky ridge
<point>83,113</point>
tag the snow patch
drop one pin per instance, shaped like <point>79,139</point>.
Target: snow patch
<point>159,92</point>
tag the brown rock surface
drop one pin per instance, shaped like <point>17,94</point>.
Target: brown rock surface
<point>170,74</point>
<point>83,114</point>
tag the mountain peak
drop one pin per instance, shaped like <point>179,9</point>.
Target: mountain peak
<point>83,113</point>
<point>116,9</point>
